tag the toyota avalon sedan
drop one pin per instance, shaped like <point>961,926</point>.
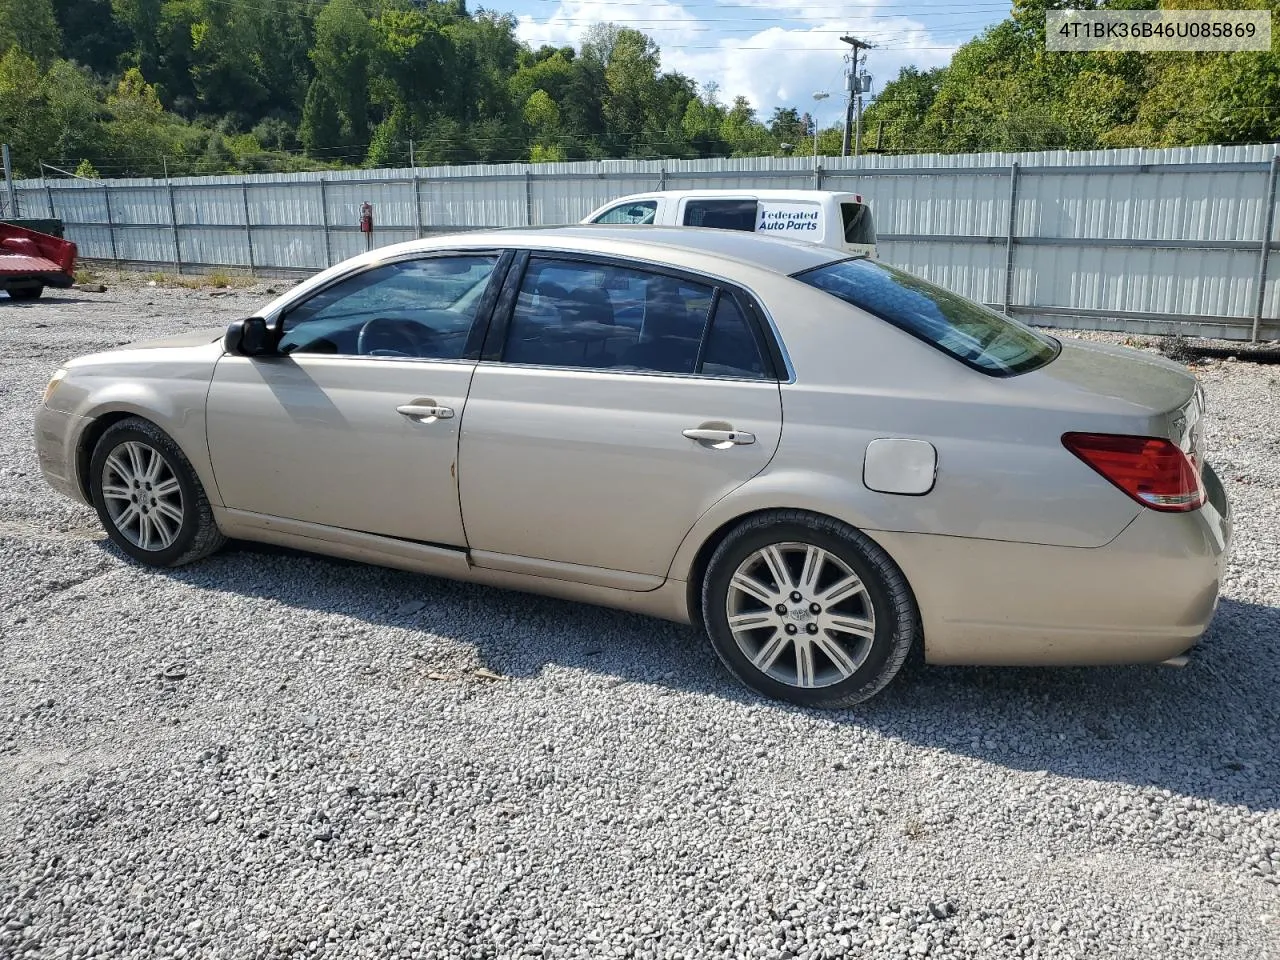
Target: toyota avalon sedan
<point>820,460</point>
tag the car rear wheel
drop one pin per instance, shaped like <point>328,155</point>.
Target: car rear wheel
<point>148,497</point>
<point>805,608</point>
<point>26,293</point>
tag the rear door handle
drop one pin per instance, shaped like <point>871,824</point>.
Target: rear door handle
<point>703,435</point>
<point>424,412</point>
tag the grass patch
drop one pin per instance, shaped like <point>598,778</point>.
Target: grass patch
<point>217,279</point>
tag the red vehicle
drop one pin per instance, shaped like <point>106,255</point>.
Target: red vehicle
<point>31,261</point>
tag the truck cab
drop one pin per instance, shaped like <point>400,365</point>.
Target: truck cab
<point>834,219</point>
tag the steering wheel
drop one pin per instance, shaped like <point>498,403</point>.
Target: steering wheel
<point>404,333</point>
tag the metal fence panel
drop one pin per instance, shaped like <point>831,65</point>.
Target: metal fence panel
<point>141,244</point>
<point>1134,239</point>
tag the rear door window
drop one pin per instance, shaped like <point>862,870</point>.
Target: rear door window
<point>724,214</point>
<point>732,350</point>
<point>602,316</point>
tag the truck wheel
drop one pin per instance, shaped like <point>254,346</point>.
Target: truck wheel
<point>26,293</point>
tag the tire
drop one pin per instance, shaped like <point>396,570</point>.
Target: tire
<point>833,647</point>
<point>177,526</point>
<point>26,293</point>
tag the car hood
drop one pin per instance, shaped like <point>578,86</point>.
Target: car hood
<point>1119,377</point>
<point>196,338</point>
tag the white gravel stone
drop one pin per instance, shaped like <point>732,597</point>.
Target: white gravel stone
<point>307,788</point>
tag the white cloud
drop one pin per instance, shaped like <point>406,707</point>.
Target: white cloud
<point>775,66</point>
<point>661,19</point>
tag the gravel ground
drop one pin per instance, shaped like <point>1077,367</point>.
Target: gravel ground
<point>325,773</point>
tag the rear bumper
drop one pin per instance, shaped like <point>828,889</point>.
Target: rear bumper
<point>1145,597</point>
<point>26,280</point>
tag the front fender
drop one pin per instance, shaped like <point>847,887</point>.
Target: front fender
<point>170,392</point>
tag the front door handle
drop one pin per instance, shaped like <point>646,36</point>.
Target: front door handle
<point>719,437</point>
<point>424,413</point>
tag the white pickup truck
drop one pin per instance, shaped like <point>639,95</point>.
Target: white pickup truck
<point>839,220</point>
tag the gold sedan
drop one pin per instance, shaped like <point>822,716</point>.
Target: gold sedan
<point>822,460</point>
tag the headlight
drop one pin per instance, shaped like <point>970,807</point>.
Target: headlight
<point>53,384</point>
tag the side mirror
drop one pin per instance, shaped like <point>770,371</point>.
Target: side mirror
<point>248,338</point>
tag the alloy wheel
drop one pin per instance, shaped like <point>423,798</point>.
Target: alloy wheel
<point>800,614</point>
<point>142,496</point>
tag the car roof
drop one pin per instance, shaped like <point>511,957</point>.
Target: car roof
<point>647,241</point>
<point>773,193</point>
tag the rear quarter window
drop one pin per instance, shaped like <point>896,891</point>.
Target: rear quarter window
<point>721,214</point>
<point>972,333</point>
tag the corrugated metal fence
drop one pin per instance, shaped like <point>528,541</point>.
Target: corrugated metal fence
<point>1145,241</point>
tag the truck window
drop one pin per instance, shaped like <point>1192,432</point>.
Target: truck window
<point>722,214</point>
<point>858,227</point>
<point>637,211</point>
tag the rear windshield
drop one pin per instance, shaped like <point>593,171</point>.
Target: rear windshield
<point>977,335</point>
<point>858,227</point>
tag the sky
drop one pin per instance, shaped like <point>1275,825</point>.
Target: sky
<point>773,52</point>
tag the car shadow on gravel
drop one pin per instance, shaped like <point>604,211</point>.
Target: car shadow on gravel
<point>1207,730</point>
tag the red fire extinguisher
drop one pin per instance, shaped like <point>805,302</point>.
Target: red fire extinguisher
<point>366,224</point>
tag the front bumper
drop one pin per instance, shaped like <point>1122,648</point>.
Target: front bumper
<point>57,436</point>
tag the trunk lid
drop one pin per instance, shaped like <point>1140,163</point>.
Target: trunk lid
<point>1158,397</point>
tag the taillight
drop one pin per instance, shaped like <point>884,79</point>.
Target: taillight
<point>1152,470</point>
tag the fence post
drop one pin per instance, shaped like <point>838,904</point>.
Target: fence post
<point>324,220</point>
<point>817,176</point>
<point>173,219</point>
<point>528,197</point>
<point>8,181</point>
<point>48,196</point>
<point>1268,220</point>
<point>662,178</point>
<point>248,227</point>
<point>111,224</point>
<point>1008,242</point>
<point>417,206</point>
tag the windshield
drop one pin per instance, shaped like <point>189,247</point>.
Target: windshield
<point>970,332</point>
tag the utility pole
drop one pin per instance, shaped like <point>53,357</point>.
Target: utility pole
<point>8,179</point>
<point>855,83</point>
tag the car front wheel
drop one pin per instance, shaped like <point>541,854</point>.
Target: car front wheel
<point>148,497</point>
<point>807,609</point>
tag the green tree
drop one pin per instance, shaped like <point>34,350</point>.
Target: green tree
<point>140,133</point>
<point>30,25</point>
<point>630,67</point>
<point>321,128</point>
<point>91,35</point>
<point>745,135</point>
<point>788,126</point>
<point>51,115</point>
<point>902,107</point>
<point>343,48</point>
